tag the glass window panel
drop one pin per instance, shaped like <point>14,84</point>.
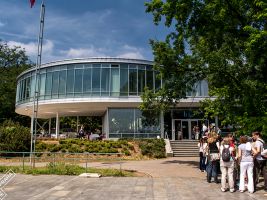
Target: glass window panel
<point>149,79</point>
<point>87,80</point>
<point>204,88</point>
<point>62,67</point>
<point>70,81</point>
<point>55,83</point>
<point>115,82</point>
<point>121,121</point>
<point>48,86</point>
<point>17,92</point>
<point>42,86</point>
<point>124,82</point>
<point>78,66</point>
<point>70,67</point>
<point>96,80</point>
<point>132,66</point>
<point>96,65</point>
<point>146,124</point>
<point>124,66</point>
<point>132,81</point>
<point>105,65</point>
<point>141,81</point>
<point>62,82</point>
<point>78,81</point>
<point>28,87</point>
<point>105,81</point>
<point>33,85</point>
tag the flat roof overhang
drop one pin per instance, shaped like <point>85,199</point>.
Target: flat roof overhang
<point>95,106</point>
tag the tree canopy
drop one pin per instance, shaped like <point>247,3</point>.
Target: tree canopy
<point>13,61</point>
<point>221,41</point>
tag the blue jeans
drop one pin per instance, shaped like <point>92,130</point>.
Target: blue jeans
<point>212,169</point>
<point>202,160</point>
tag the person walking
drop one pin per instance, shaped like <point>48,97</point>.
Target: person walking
<point>227,165</point>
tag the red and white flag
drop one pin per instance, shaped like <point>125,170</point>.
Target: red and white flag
<point>32,3</point>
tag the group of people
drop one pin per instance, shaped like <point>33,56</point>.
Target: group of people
<point>82,134</point>
<point>240,162</point>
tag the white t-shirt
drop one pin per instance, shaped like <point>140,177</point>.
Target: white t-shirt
<point>259,144</point>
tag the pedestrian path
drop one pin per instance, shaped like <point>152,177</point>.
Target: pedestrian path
<point>171,178</point>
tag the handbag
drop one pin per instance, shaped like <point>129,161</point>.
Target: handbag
<point>214,156</point>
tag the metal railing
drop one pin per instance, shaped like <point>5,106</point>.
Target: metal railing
<point>42,159</point>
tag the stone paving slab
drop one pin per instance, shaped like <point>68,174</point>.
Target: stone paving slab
<point>170,178</point>
<point>52,187</point>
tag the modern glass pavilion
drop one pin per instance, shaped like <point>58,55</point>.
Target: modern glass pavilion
<point>106,87</point>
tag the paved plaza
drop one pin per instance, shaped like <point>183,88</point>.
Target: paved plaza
<point>171,178</point>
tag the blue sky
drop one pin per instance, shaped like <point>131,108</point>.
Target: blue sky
<point>81,28</point>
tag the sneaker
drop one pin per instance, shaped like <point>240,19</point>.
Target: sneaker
<point>251,192</point>
<point>223,190</point>
<point>241,191</point>
<point>232,190</point>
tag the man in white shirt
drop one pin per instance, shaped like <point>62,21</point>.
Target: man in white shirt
<point>259,162</point>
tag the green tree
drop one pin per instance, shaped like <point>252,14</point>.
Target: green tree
<point>221,41</point>
<point>14,137</point>
<point>13,61</point>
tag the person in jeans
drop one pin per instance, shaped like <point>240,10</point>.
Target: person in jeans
<point>246,164</point>
<point>202,144</point>
<point>227,167</point>
<point>213,164</point>
<point>259,162</point>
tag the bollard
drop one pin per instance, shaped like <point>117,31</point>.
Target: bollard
<point>23,156</point>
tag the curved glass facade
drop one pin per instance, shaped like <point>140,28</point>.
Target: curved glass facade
<point>87,80</point>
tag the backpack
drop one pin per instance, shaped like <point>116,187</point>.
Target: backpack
<point>226,155</point>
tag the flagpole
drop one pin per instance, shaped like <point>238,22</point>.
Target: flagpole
<point>37,83</point>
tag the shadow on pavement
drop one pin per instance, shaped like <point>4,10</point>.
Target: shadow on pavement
<point>195,164</point>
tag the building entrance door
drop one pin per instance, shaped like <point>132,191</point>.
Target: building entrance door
<point>185,129</point>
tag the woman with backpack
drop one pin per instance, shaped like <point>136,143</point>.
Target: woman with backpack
<point>227,164</point>
<point>245,156</point>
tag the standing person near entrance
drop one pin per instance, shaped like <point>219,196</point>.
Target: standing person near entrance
<point>227,165</point>
<point>213,158</point>
<point>259,162</point>
<point>202,145</point>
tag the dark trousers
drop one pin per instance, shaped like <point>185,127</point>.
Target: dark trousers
<point>259,166</point>
<point>202,160</point>
<point>212,169</point>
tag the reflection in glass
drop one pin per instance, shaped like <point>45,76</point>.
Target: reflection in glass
<point>141,81</point>
<point>132,82</point>
<point>105,81</point>
<point>96,81</point>
<point>124,82</point>
<point>115,82</point>
<point>87,85</point>
<point>70,81</point>
<point>78,81</point>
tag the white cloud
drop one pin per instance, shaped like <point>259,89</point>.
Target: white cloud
<point>31,47</point>
<point>2,24</point>
<point>133,55</point>
<point>83,52</point>
<point>131,52</point>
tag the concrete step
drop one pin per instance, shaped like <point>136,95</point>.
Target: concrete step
<point>185,148</point>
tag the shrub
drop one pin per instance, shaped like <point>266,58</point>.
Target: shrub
<point>14,137</point>
<point>153,148</point>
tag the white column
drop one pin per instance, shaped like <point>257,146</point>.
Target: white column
<point>49,126</point>
<point>77,124</point>
<point>57,126</point>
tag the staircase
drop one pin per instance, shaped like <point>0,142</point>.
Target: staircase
<point>184,148</point>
